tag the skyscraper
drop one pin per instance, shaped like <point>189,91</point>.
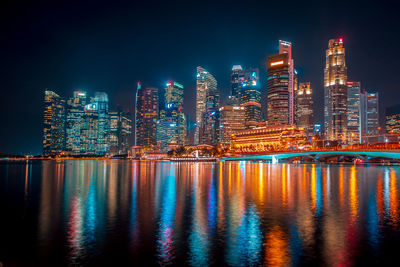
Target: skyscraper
<point>250,96</point>
<point>286,48</point>
<point>353,112</point>
<point>304,112</point>
<point>75,121</point>
<point>95,133</point>
<point>120,132</point>
<point>172,122</point>
<point>278,103</point>
<point>209,129</point>
<point>369,114</point>
<point>53,124</point>
<point>393,119</point>
<point>205,82</point>
<point>232,120</point>
<point>146,114</point>
<point>281,80</point>
<point>235,83</point>
<point>335,83</point>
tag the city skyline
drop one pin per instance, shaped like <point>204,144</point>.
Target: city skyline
<point>29,70</point>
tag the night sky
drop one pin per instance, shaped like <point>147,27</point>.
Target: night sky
<point>109,46</point>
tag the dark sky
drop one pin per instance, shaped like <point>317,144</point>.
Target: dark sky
<point>109,46</point>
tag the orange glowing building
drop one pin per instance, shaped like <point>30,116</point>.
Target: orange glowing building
<point>269,138</point>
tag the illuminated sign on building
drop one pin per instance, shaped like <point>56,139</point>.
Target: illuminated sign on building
<point>277,63</point>
<point>91,107</point>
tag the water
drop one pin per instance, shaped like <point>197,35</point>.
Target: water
<point>119,213</point>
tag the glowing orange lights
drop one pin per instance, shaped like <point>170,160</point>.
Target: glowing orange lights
<point>276,63</point>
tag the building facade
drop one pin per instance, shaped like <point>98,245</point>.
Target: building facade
<point>95,131</point>
<point>268,138</point>
<point>304,111</point>
<point>232,120</point>
<point>209,128</point>
<point>171,126</point>
<point>53,124</point>
<point>392,117</point>
<point>75,121</point>
<point>146,115</point>
<point>369,114</point>
<point>250,96</point>
<point>206,84</point>
<point>235,83</point>
<point>120,132</point>
<point>278,103</point>
<point>353,112</point>
<point>335,85</point>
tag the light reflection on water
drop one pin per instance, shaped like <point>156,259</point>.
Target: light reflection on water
<point>235,213</point>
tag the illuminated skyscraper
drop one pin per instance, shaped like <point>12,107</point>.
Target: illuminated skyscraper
<point>304,112</point>
<point>353,112</point>
<point>53,124</point>
<point>146,114</point>
<point>335,83</point>
<point>369,114</point>
<point>205,83</point>
<point>95,133</point>
<point>75,121</point>
<point>278,90</point>
<point>171,126</point>
<point>393,119</point>
<point>232,120</point>
<point>209,128</point>
<point>235,83</point>
<point>281,80</point>
<point>120,132</point>
<point>250,96</point>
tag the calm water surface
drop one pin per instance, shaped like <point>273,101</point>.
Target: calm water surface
<point>120,213</point>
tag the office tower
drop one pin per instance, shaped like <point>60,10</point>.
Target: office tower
<point>369,114</point>
<point>120,132</point>
<point>166,133</point>
<point>235,83</point>
<point>250,96</point>
<point>353,112</point>
<point>232,120</point>
<point>146,115</point>
<point>304,112</point>
<point>172,121</point>
<point>95,131</point>
<point>74,121</point>
<point>393,119</point>
<point>53,124</point>
<point>335,84</point>
<point>281,81</point>
<point>103,132</point>
<point>209,128</point>
<point>205,82</point>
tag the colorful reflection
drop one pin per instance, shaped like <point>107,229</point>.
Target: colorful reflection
<point>232,213</point>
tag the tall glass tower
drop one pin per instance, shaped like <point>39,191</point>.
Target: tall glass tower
<point>304,112</point>
<point>75,121</point>
<point>281,81</point>
<point>250,96</point>
<point>171,126</point>
<point>353,112</point>
<point>205,84</point>
<point>146,115</point>
<point>53,124</point>
<point>335,83</point>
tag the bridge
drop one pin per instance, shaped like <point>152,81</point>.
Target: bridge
<point>315,155</point>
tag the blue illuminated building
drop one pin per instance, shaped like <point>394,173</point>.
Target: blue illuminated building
<point>171,125</point>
